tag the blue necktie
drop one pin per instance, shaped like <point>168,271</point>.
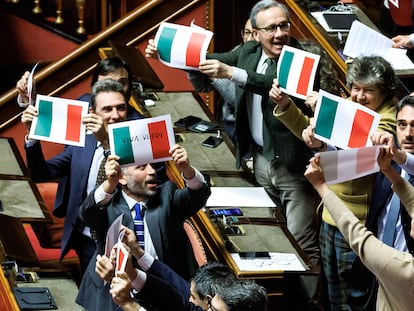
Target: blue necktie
<point>139,225</point>
<point>392,218</point>
<point>391,222</point>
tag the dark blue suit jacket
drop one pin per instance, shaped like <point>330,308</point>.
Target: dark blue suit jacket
<point>165,215</point>
<point>382,194</point>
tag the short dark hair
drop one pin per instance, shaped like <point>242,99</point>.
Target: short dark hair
<point>373,70</point>
<point>208,275</point>
<point>405,101</point>
<point>243,295</point>
<point>109,65</point>
<point>106,85</point>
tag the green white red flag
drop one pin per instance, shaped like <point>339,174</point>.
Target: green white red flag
<point>344,165</point>
<point>142,141</point>
<point>182,46</point>
<point>344,123</point>
<point>296,70</point>
<point>59,120</point>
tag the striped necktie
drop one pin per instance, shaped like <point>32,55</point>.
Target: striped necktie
<point>139,225</point>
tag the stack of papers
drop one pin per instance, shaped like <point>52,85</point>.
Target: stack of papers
<point>364,41</point>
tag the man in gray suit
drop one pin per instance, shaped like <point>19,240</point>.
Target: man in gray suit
<point>166,207</point>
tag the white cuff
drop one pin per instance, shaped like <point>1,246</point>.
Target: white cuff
<point>197,182</point>
<point>239,76</point>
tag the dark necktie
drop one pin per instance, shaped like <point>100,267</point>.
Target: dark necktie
<point>139,225</point>
<point>269,62</point>
<point>100,178</point>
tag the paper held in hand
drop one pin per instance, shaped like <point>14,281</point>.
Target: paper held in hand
<point>364,41</point>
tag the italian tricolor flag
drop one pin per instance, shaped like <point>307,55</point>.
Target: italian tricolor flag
<point>142,141</point>
<point>343,123</point>
<point>296,71</point>
<point>182,46</point>
<point>344,165</point>
<point>59,120</point>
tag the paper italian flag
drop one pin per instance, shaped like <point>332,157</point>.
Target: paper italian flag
<point>296,71</point>
<point>343,123</point>
<point>142,141</point>
<point>344,165</point>
<point>59,120</point>
<point>182,46</point>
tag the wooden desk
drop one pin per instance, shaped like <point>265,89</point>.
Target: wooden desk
<point>21,203</point>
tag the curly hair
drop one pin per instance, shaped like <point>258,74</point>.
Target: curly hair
<point>373,70</point>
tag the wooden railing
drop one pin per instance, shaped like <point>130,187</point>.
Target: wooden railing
<point>71,69</point>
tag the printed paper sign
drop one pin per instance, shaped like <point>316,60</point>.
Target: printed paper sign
<point>296,71</point>
<point>182,46</point>
<point>59,120</point>
<point>343,123</point>
<point>343,165</point>
<point>142,141</point>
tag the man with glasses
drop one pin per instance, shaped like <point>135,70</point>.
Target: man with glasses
<point>279,158</point>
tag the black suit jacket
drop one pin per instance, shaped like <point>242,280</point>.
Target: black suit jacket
<point>164,216</point>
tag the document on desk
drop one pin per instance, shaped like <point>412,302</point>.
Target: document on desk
<point>364,41</point>
<point>239,196</point>
<point>277,261</point>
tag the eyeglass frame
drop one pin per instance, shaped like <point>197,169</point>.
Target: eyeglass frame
<point>283,26</point>
<point>246,33</point>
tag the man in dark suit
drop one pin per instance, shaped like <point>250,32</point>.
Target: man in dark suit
<point>78,165</point>
<point>166,208</point>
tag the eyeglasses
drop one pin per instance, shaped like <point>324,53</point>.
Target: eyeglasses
<point>271,29</point>
<point>246,33</point>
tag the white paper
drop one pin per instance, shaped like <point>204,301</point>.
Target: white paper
<point>239,196</point>
<point>365,41</point>
<point>278,261</point>
<point>112,235</point>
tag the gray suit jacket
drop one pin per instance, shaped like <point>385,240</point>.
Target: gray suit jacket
<point>165,215</point>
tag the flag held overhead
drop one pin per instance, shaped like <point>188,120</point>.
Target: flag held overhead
<point>296,70</point>
<point>344,123</point>
<point>142,141</point>
<point>182,46</point>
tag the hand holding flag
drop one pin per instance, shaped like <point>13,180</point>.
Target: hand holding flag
<point>142,141</point>
<point>343,123</point>
<point>182,46</point>
<point>296,71</point>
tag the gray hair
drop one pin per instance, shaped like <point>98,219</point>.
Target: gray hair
<point>264,5</point>
<point>373,70</point>
<point>106,85</point>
